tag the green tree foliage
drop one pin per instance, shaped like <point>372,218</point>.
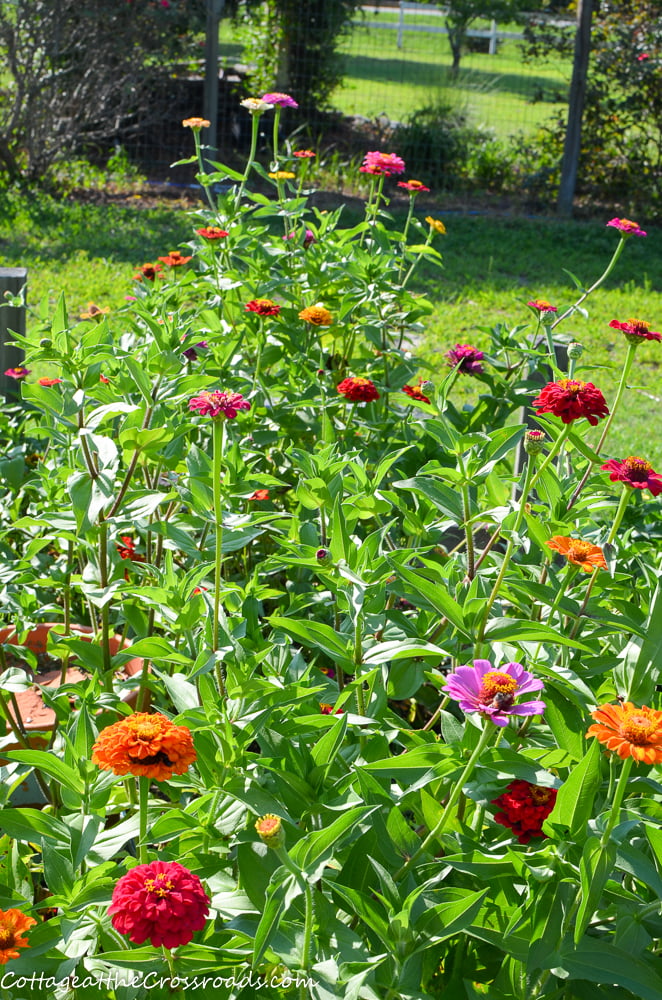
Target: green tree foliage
<point>460,14</point>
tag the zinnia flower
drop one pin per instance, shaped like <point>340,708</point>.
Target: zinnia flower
<point>148,272</point>
<point>127,550</point>
<point>259,495</point>
<point>415,393</point>
<point>634,472</point>
<point>278,100</point>
<point>18,373</point>
<point>627,227</point>
<point>212,233</point>
<point>191,353</point>
<point>175,259</point>
<point>263,307</point>
<point>161,902</point>
<point>534,442</point>
<point>282,175</point>
<point>308,238</point>
<point>270,830</point>
<point>358,390</point>
<point>196,123</point>
<point>578,552</point>
<point>256,105</point>
<point>491,692</point>
<point>629,731</point>
<point>13,924</point>
<point>304,154</point>
<point>144,745</point>
<point>413,186</point>
<point>436,224</point>
<point>317,315</point>
<point>524,808</point>
<point>94,311</point>
<point>636,330</point>
<point>49,381</point>
<point>382,164</point>
<point>327,709</point>
<point>571,399</point>
<point>542,306</point>
<point>219,404</point>
<point>468,358</point>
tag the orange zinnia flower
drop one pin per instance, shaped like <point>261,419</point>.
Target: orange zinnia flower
<point>317,315</point>
<point>629,731</point>
<point>13,924</point>
<point>144,745</point>
<point>578,552</point>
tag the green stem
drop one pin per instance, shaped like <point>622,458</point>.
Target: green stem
<point>306,948</point>
<point>627,365</point>
<point>255,126</point>
<point>485,737</point>
<point>170,960</point>
<point>468,530</point>
<point>105,611</point>
<point>582,298</point>
<point>405,233</point>
<point>621,788</point>
<point>570,574</point>
<point>358,661</point>
<point>415,263</point>
<point>274,166</point>
<point>553,452</point>
<point>143,797</point>
<point>217,465</point>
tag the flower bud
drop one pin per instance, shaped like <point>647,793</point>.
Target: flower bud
<point>46,342</point>
<point>323,557</point>
<point>575,350</point>
<point>270,830</point>
<point>426,385</point>
<point>534,442</point>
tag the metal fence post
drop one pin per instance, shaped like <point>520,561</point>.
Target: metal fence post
<point>12,321</point>
<point>401,24</point>
<point>493,38</point>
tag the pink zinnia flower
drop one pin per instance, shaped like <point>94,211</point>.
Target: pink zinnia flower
<point>308,237</point>
<point>571,399</point>
<point>304,154</point>
<point>468,358</point>
<point>413,186</point>
<point>17,373</point>
<point>191,353</point>
<point>634,472</point>
<point>161,902</point>
<point>263,307</point>
<point>491,692</point>
<point>280,100</point>
<point>542,306</point>
<point>382,164</point>
<point>636,330</point>
<point>219,404</point>
<point>627,227</point>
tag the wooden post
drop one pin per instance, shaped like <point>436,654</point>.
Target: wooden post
<point>12,320</point>
<point>573,132</point>
<point>210,100</point>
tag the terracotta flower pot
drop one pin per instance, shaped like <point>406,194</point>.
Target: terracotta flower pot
<point>35,715</point>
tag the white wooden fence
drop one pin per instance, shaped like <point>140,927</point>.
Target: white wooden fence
<point>401,25</point>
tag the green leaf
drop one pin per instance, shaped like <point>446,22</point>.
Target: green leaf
<point>600,962</point>
<point>320,844</point>
<point>445,498</point>
<point>48,763</point>
<point>435,595</point>
<point>31,825</point>
<point>449,917</point>
<point>316,634</point>
<point>574,801</point>
<point>514,630</point>
<point>153,647</point>
<point>277,896</point>
<point>595,867</point>
<point>565,721</point>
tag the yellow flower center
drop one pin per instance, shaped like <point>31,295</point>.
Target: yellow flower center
<point>639,324</point>
<point>571,385</point>
<point>147,730</point>
<point>159,890</point>
<point>629,222</point>
<point>540,795</point>
<point>496,683</point>
<point>7,938</point>
<point>639,728</point>
<point>634,464</point>
<point>578,550</point>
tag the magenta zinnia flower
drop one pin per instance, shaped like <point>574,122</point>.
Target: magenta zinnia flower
<point>279,100</point>
<point>18,373</point>
<point>542,306</point>
<point>161,902</point>
<point>636,330</point>
<point>571,399</point>
<point>634,472</point>
<point>219,404</point>
<point>413,186</point>
<point>191,353</point>
<point>382,164</point>
<point>468,358</point>
<point>492,692</point>
<point>627,227</point>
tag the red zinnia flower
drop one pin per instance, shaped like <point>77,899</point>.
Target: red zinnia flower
<point>327,709</point>
<point>259,495</point>
<point>627,227</point>
<point>525,807</point>
<point>468,358</point>
<point>161,902</point>
<point>415,393</point>
<point>542,305</point>
<point>636,330</point>
<point>148,272</point>
<point>413,186</point>
<point>49,381</point>
<point>212,233</point>
<point>263,307</point>
<point>175,259</point>
<point>570,400</point>
<point>219,404</point>
<point>127,549</point>
<point>382,164</point>
<point>102,378</point>
<point>358,390</point>
<point>634,472</point>
<point>304,154</point>
<point>18,373</point>
<point>13,924</point>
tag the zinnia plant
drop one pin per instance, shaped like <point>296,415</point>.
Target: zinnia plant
<point>162,902</point>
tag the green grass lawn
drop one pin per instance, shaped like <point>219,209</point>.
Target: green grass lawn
<point>492,267</point>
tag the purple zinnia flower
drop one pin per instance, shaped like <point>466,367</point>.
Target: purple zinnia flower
<point>191,352</point>
<point>279,100</point>
<point>308,237</point>
<point>492,692</point>
<point>468,358</point>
